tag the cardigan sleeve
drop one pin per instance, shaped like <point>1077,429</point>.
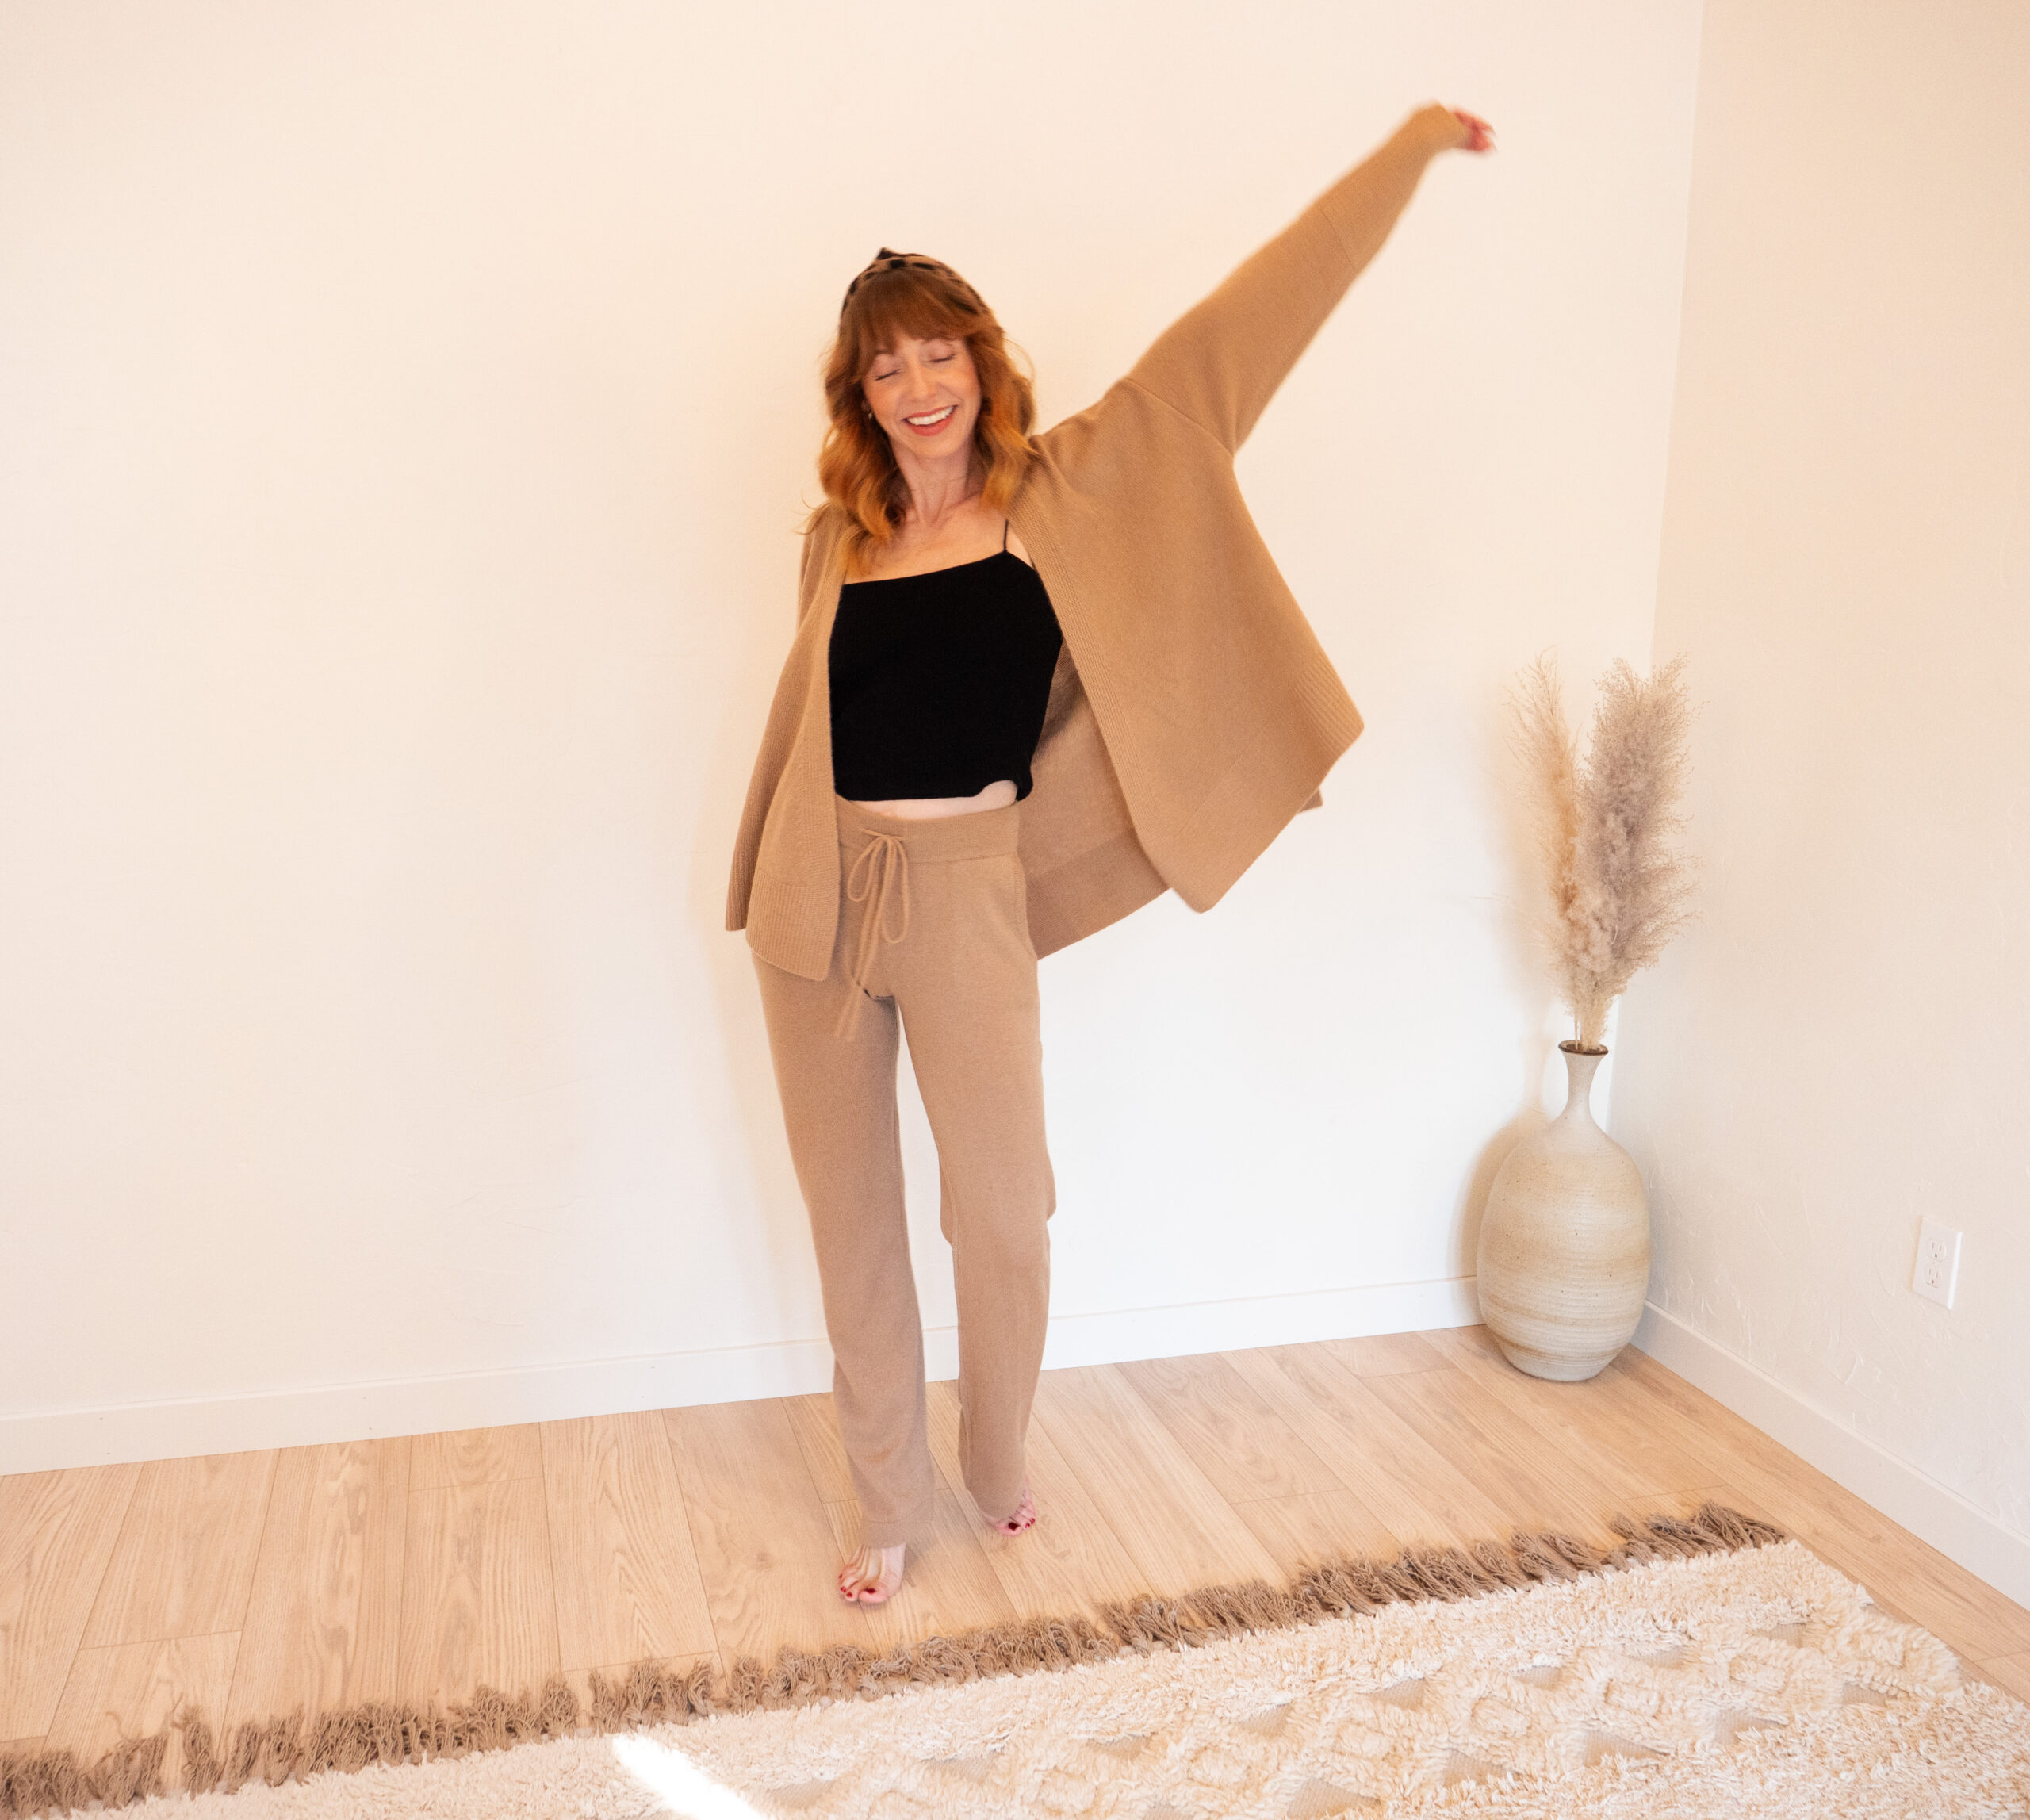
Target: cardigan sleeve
<point>804,593</point>
<point>1220,363</point>
<point>821,540</point>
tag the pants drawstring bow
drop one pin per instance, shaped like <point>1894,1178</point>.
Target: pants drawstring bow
<point>884,864</point>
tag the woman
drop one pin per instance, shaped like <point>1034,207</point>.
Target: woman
<point>1036,681</point>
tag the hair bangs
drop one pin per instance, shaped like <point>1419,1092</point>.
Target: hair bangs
<point>894,307</point>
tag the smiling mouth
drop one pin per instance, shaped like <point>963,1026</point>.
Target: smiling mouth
<point>930,421</point>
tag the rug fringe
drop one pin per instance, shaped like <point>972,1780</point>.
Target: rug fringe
<point>392,1732</point>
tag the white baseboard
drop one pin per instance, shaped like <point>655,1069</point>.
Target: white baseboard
<point>1935,1513</point>
<point>666,1381</point>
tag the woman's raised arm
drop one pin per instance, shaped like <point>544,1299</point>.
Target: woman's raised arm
<point>1220,363</point>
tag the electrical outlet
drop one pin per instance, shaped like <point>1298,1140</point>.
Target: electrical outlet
<point>1938,1263</point>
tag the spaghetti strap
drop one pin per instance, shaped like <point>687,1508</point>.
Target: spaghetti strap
<point>1004,533</point>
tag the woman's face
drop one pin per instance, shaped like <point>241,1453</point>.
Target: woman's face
<point>926,395</point>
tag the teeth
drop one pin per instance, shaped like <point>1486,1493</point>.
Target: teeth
<point>932,417</point>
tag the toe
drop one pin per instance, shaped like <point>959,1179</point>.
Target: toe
<point>870,1576</point>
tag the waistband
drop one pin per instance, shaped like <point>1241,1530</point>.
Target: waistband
<point>935,840</point>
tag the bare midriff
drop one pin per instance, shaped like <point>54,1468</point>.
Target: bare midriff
<point>997,796</point>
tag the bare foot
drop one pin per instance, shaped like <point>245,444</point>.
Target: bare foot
<point>871,1577</point>
<point>1024,1515</point>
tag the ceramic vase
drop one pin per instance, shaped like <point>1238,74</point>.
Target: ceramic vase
<point>1565,1244</point>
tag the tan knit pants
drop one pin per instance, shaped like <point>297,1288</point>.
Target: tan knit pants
<point>932,925</point>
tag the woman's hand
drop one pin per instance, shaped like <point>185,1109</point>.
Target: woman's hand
<point>1452,129</point>
<point>1480,135</point>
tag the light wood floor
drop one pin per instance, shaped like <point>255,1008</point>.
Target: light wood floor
<point>254,1584</point>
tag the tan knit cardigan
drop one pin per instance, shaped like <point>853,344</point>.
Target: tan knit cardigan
<point>1192,712</point>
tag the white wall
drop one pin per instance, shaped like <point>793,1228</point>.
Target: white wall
<point>405,413</point>
<point>1843,1046</point>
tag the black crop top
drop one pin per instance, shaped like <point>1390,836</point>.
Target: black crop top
<point>940,681</point>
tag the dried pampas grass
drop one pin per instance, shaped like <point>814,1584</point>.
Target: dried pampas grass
<point>1606,832</point>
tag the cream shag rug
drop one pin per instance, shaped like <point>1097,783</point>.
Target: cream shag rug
<point>1754,1683</point>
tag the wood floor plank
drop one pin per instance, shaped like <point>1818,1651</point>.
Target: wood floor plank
<point>479,1605</point>
<point>1237,1440</point>
<point>476,1457</point>
<point>1387,1354</point>
<point>1070,1560</point>
<point>1527,1473</point>
<point>1584,1419</point>
<point>58,1531</point>
<point>1417,1493</point>
<point>184,1564</point>
<point>130,1690</point>
<point>327,1518</point>
<point>764,1544</point>
<point>1300,1531</point>
<point>2010,1673</point>
<point>1703,1429</point>
<point>1625,1416</point>
<point>1972,1618</point>
<point>815,1424</point>
<point>375,1672</point>
<point>1169,1517</point>
<point>947,1585</point>
<point>626,1575</point>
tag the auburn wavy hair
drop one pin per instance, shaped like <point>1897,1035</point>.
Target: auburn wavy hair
<point>911,295</point>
